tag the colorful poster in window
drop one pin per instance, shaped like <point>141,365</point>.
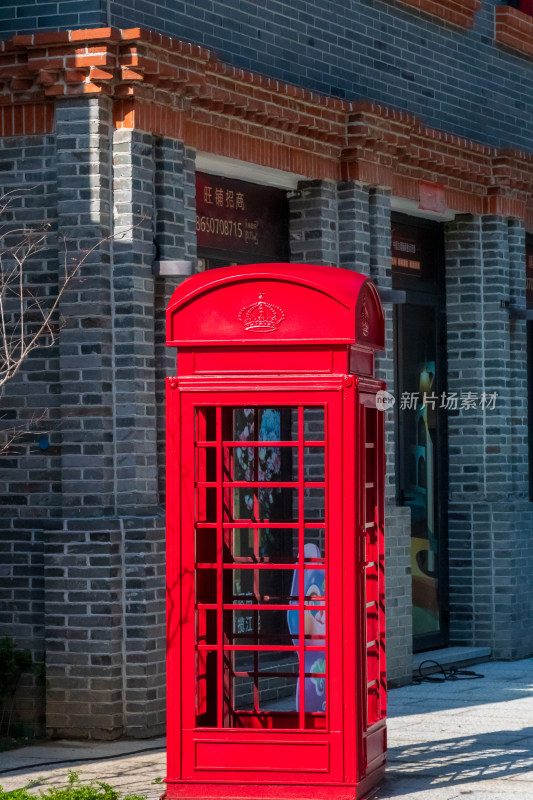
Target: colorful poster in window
<point>420,497</point>
<point>314,631</point>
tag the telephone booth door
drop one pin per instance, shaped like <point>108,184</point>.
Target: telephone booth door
<point>258,624</point>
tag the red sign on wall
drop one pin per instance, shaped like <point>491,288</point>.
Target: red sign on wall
<point>432,197</point>
<point>240,217</point>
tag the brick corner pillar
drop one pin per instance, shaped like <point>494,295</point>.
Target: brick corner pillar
<point>133,311</point>
<point>397,518</point>
<point>136,456</point>
<point>104,561</point>
<point>354,226</point>
<point>490,517</point>
<point>83,619</point>
<point>175,226</point>
<point>313,223</point>
<point>162,199</point>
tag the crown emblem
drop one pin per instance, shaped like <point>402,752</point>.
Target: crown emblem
<point>365,321</point>
<point>261,316</point>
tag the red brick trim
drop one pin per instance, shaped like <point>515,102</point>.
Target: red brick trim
<point>223,135</point>
<point>458,12</point>
<point>26,119</point>
<point>514,29</point>
<point>177,89</point>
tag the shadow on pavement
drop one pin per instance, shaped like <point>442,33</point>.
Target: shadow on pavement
<point>450,762</point>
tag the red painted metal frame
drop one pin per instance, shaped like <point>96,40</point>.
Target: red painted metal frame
<point>216,750</point>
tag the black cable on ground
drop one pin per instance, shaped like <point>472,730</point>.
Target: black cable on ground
<point>443,674</point>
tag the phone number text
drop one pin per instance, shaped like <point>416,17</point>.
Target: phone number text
<point>219,227</point>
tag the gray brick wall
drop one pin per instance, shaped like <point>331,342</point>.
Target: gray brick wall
<point>127,626</point>
<point>84,518</point>
<point>144,629</point>
<point>83,554</point>
<point>313,223</point>
<point>86,345</point>
<point>175,214</point>
<point>28,16</point>
<point>83,618</point>
<point>490,519</point>
<point>133,313</point>
<point>518,383</point>
<point>380,50</point>
<point>354,226</point>
<point>30,478</point>
<point>365,244</point>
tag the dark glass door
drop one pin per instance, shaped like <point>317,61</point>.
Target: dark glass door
<point>417,248</point>
<point>420,391</point>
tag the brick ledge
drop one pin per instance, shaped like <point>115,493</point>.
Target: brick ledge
<point>457,12</point>
<point>514,29</point>
<point>172,88</point>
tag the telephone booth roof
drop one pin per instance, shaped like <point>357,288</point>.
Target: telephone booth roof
<point>276,304</point>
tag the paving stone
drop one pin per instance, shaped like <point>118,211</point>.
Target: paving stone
<point>437,753</point>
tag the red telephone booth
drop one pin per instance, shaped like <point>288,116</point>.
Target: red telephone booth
<point>276,630</point>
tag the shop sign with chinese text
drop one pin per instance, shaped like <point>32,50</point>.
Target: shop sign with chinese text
<point>240,217</point>
<point>405,249</point>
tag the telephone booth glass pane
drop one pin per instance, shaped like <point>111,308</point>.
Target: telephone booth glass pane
<point>260,583</point>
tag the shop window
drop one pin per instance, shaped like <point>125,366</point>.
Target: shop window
<point>417,248</point>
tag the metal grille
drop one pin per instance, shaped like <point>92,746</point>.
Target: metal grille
<point>260,566</point>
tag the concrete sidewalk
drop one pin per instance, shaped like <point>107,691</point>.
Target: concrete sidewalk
<point>464,740</point>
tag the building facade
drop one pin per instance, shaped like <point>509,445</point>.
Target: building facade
<point>387,136</point>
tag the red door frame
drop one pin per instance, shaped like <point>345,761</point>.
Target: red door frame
<point>350,730</point>
<point>292,396</point>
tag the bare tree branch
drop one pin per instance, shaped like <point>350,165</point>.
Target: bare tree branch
<point>28,319</point>
<point>11,435</point>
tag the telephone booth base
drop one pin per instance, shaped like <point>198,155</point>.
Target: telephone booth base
<point>364,790</point>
